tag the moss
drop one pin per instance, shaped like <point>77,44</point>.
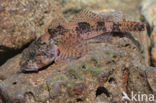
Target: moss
<point>58,77</point>
<point>96,62</point>
<point>110,54</point>
<point>94,71</point>
<point>73,65</point>
<point>91,65</point>
<point>42,92</point>
<point>29,97</point>
<point>76,72</point>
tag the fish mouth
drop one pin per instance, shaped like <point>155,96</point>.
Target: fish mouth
<point>35,67</point>
<point>25,69</point>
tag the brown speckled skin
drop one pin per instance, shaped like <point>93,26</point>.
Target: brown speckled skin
<point>69,40</point>
<point>40,53</point>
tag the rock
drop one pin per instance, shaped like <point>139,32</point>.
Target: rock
<point>7,70</point>
<point>148,11</point>
<point>153,47</point>
<point>146,44</point>
<point>73,6</point>
<point>151,76</point>
<point>21,22</point>
<point>105,72</point>
<point>102,75</point>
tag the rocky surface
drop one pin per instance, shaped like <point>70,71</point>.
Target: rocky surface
<point>72,6</point>
<point>148,11</point>
<point>151,76</point>
<point>21,21</point>
<point>106,71</point>
<point>101,76</point>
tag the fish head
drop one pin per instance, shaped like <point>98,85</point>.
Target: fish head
<point>39,54</point>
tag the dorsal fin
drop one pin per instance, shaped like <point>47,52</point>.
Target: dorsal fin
<point>86,15</point>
